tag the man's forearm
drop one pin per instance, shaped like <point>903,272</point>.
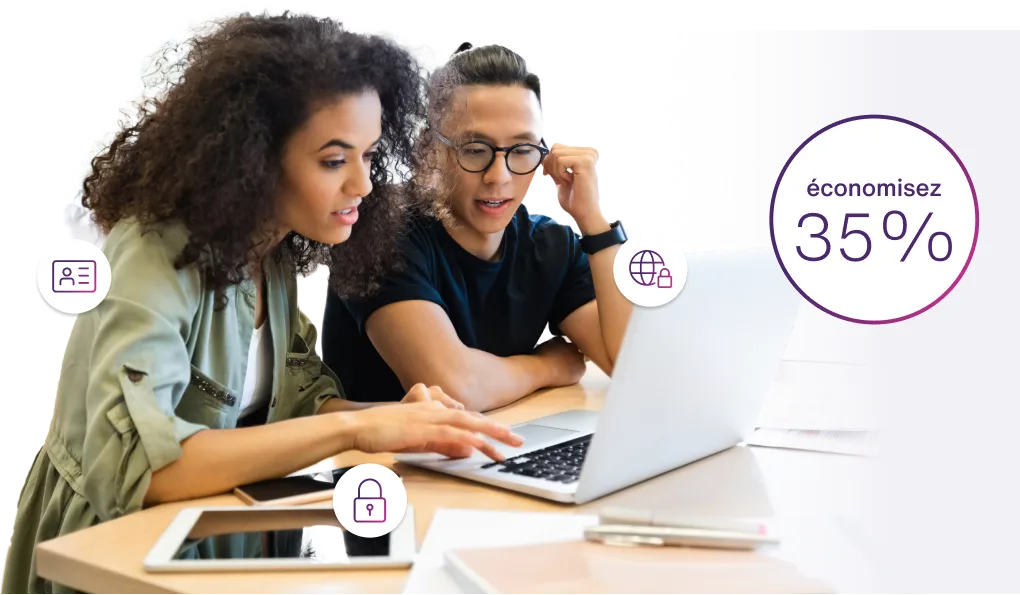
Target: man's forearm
<point>482,381</point>
<point>614,308</point>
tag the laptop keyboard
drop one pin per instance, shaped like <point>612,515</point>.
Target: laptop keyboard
<point>559,462</point>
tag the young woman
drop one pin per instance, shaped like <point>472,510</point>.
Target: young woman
<point>481,277</point>
<point>197,373</point>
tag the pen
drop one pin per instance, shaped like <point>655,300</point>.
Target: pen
<point>637,535</point>
<point>612,515</point>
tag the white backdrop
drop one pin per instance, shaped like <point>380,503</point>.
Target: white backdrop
<point>733,102</point>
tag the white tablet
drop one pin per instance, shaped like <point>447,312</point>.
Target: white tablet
<point>275,538</point>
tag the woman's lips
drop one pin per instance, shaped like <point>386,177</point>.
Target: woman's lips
<point>493,207</point>
<point>346,216</point>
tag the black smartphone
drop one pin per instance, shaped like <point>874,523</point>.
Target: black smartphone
<point>291,491</point>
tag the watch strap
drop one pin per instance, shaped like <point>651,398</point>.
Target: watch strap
<point>600,241</point>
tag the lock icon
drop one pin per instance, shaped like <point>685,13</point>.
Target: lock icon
<point>369,509</point>
<point>665,279</point>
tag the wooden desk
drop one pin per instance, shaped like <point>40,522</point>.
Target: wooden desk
<point>108,557</point>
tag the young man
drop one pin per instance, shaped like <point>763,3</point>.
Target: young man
<point>483,278</point>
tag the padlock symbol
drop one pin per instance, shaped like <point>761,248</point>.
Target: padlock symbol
<point>369,509</point>
<point>665,279</point>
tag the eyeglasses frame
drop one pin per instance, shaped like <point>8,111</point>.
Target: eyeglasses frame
<point>543,149</point>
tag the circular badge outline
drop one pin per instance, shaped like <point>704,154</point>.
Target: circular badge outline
<point>100,255</point>
<point>46,304</point>
<point>687,273</point>
<point>775,192</point>
<point>336,492</point>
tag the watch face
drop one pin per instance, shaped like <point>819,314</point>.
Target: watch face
<point>619,230</point>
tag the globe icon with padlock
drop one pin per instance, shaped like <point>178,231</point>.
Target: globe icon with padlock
<point>649,277</point>
<point>648,269</point>
<point>370,508</point>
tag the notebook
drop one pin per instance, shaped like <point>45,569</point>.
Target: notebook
<point>580,566</point>
<point>458,529</point>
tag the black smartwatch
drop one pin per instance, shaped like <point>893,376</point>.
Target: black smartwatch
<point>601,241</point>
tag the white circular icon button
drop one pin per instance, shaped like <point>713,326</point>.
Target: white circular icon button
<point>74,276</point>
<point>650,271</point>
<point>369,500</point>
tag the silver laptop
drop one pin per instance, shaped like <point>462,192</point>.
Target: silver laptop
<point>689,382</point>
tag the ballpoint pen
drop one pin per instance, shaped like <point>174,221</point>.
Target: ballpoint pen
<point>677,536</point>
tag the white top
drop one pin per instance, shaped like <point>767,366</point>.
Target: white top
<point>258,378</point>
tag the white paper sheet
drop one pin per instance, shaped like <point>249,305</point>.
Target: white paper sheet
<point>822,396</point>
<point>834,441</point>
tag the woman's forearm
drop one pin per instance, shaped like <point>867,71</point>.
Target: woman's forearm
<point>216,461</point>
<point>338,405</point>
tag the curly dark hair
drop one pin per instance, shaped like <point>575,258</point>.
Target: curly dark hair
<point>206,148</point>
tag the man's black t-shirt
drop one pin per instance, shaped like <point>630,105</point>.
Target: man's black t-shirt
<point>500,307</point>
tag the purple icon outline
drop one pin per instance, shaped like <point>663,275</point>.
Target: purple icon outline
<point>659,275</point>
<point>665,279</point>
<point>66,274</point>
<point>369,506</point>
<point>775,193</point>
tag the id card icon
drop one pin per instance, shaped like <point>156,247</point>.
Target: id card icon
<point>74,276</point>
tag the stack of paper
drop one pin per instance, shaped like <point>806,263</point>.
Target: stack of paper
<point>836,441</point>
<point>821,406</point>
<point>821,396</point>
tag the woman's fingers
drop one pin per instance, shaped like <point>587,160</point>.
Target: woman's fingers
<point>418,393</point>
<point>449,435</point>
<point>481,424</point>
<point>453,450</point>
<point>437,394</point>
<point>453,432</point>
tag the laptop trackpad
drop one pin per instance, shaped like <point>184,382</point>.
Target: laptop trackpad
<point>535,434</point>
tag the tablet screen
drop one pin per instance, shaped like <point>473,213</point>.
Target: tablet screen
<point>314,535</point>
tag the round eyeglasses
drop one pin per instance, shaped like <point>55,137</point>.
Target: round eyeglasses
<point>478,156</point>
